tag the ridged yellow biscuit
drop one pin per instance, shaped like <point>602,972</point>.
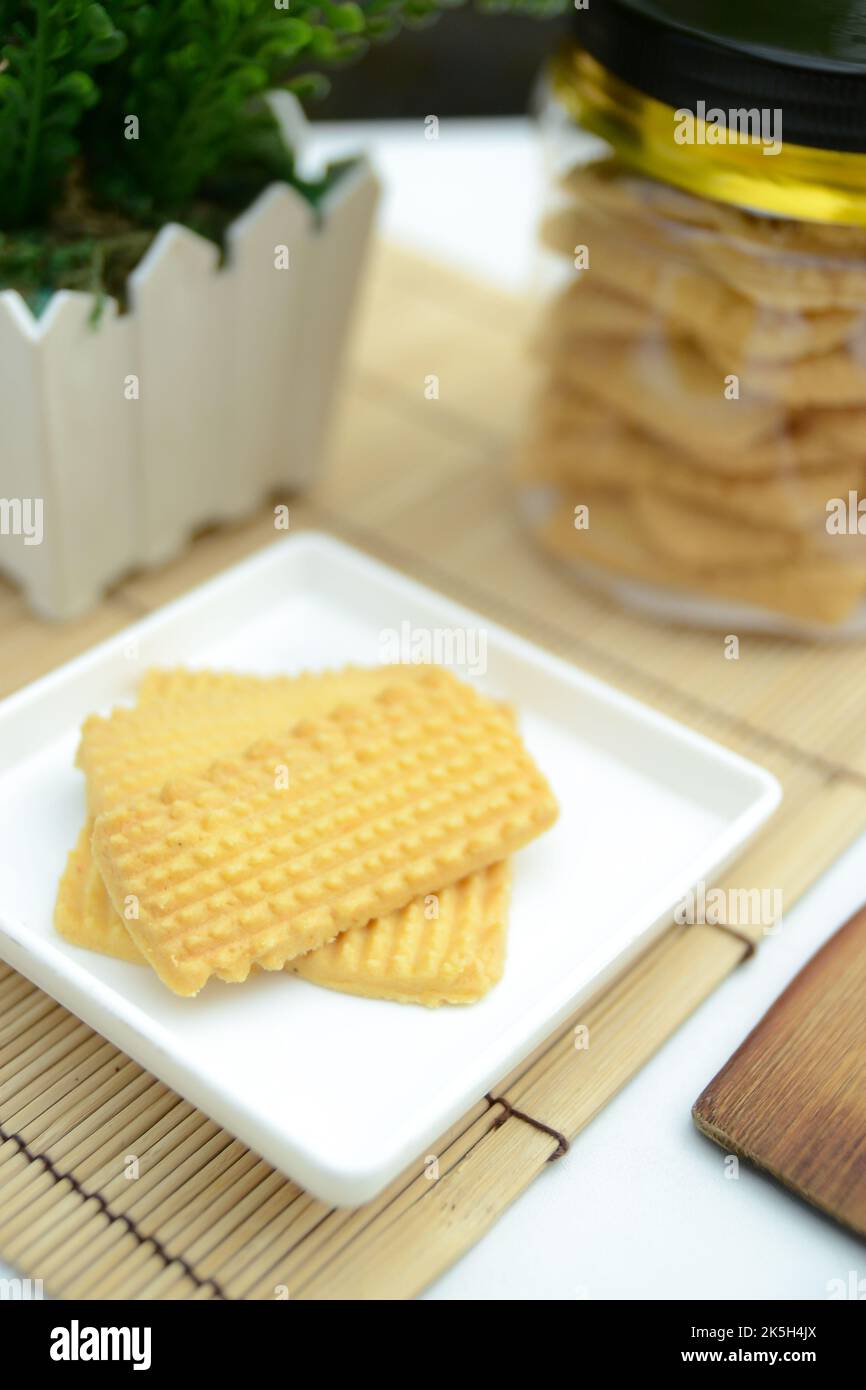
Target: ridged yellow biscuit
<point>787,280</point>
<point>183,721</point>
<point>807,440</point>
<point>69,907</point>
<point>448,949</point>
<point>780,262</point>
<point>796,504</point>
<point>191,716</point>
<point>815,588</point>
<point>133,750</point>
<point>589,311</point>
<point>431,783</point>
<point>671,393</point>
<point>673,293</point>
<point>652,203</point>
<point>410,956</point>
<point>84,914</point>
<point>575,439</point>
<point>86,917</point>
<point>309,688</point>
<point>180,683</point>
<point>690,533</point>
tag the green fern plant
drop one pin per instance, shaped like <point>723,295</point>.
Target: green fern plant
<point>50,51</point>
<point>116,117</point>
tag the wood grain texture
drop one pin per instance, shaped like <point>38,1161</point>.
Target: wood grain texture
<point>792,1099</point>
<point>421,484</point>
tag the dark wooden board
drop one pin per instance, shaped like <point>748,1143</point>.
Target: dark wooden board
<point>792,1099</point>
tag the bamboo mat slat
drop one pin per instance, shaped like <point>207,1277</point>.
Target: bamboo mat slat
<point>422,484</point>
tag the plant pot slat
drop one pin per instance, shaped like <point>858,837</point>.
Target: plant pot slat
<point>336,262</point>
<point>269,399</point>
<point>135,430</point>
<point>90,445</point>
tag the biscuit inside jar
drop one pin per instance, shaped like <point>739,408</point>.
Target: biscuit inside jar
<point>699,428</point>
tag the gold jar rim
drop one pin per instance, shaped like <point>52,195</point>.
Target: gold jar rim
<point>698,153</point>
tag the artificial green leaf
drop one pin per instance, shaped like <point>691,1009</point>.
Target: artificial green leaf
<point>192,73</point>
<point>346,18</point>
<point>78,85</point>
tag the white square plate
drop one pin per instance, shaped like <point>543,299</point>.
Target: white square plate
<point>340,1092</point>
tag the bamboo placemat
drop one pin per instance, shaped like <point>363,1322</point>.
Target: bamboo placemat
<point>420,482</point>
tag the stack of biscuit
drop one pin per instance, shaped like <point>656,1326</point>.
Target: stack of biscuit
<point>352,827</point>
<point>704,395</point>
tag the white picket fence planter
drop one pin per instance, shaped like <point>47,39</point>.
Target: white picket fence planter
<point>211,392</point>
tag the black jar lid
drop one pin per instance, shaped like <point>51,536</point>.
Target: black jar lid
<point>805,57</point>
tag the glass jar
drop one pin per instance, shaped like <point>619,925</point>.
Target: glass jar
<point>698,437</point>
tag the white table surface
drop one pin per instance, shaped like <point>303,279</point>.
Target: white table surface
<point>641,1206</point>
